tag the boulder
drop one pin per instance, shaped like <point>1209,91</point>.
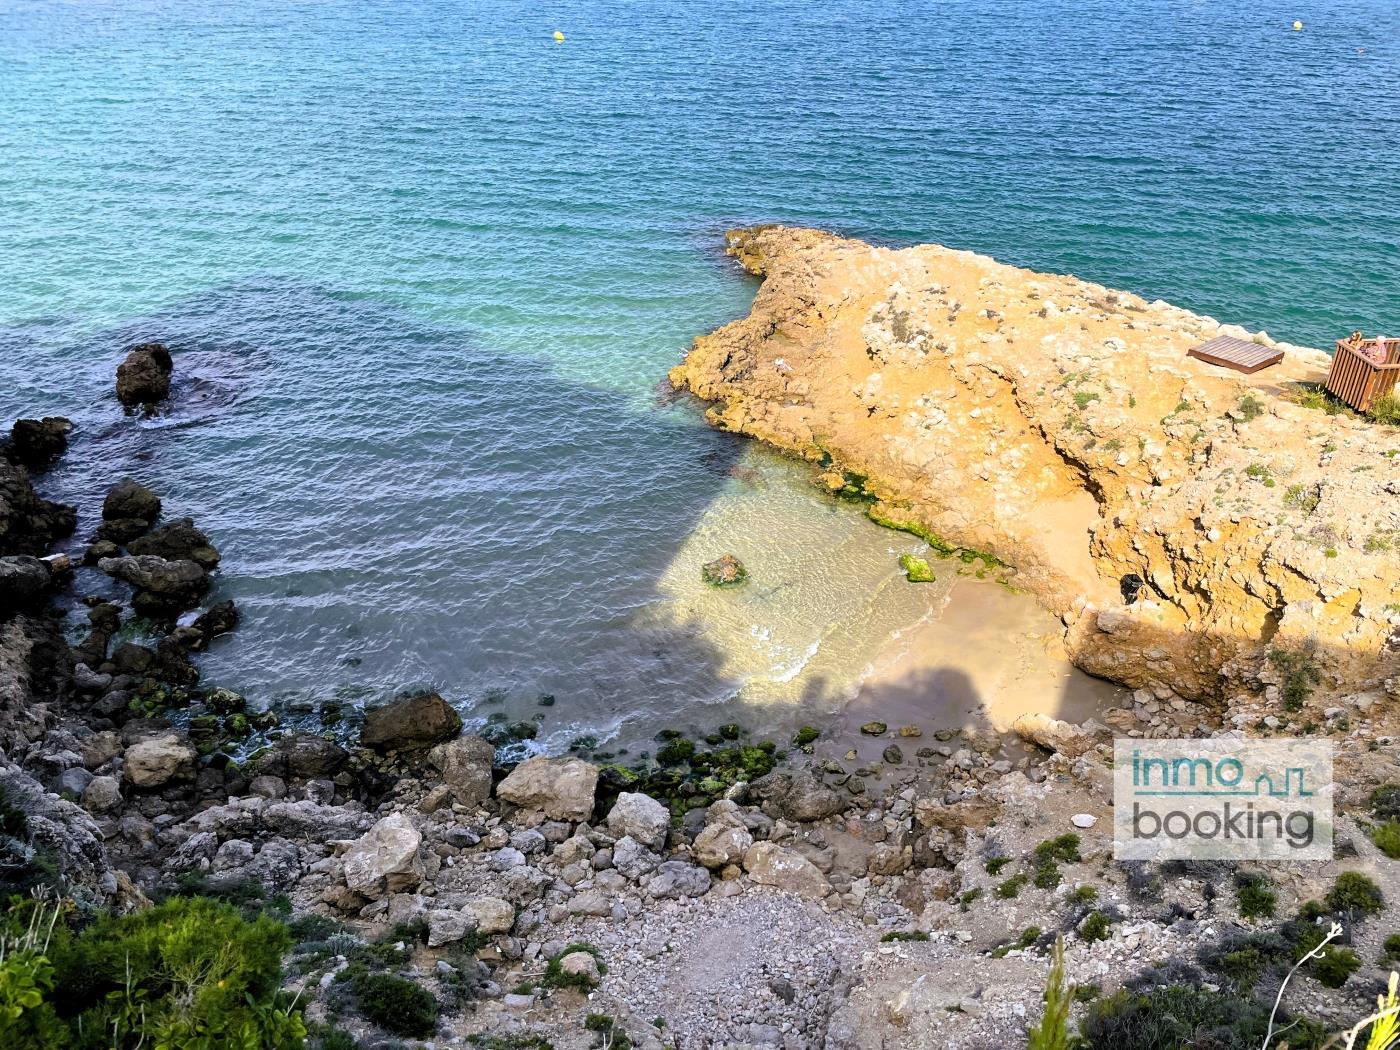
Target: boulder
<point>769,864</point>
<point>581,966</point>
<point>676,878</point>
<point>25,582</point>
<point>641,817</point>
<point>130,500</point>
<point>143,378</point>
<point>808,799</point>
<point>556,788</point>
<point>309,820</point>
<point>724,571</point>
<point>162,586</point>
<point>720,845</point>
<point>1052,734</point>
<point>36,443</point>
<point>219,618</point>
<point>410,722</point>
<point>158,760</point>
<point>465,766</point>
<point>632,860</point>
<point>178,540</point>
<point>491,914</point>
<point>449,927</point>
<point>385,859</point>
<point>304,756</point>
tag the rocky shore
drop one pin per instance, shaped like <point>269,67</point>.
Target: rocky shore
<point>719,891</point>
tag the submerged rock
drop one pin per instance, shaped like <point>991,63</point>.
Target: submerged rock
<point>410,722</point>
<point>724,571</point>
<point>143,378</point>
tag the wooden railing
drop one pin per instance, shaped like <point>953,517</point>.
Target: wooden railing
<point>1356,378</point>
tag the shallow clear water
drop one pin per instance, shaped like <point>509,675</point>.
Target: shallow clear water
<point>423,268</point>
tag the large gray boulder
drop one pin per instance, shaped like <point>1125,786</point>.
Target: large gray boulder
<point>156,761</point>
<point>410,722</point>
<point>676,878</point>
<point>553,788</point>
<point>769,864</point>
<point>162,586</point>
<point>641,817</point>
<point>465,766</point>
<point>385,859</point>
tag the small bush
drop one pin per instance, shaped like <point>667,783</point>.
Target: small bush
<point>1386,409</point>
<point>1336,966</point>
<point>395,1004</point>
<point>1063,848</point>
<point>1028,937</point>
<point>1390,948</point>
<point>1385,802</point>
<point>1387,839</point>
<point>1300,674</point>
<point>1047,875</point>
<point>1251,408</point>
<point>904,935</point>
<point>1174,1016</point>
<point>1010,887</point>
<point>1094,928</point>
<point>608,1031</point>
<point>1256,896</point>
<point>555,977</point>
<point>1085,894</point>
<point>1356,894</point>
<point>995,864</point>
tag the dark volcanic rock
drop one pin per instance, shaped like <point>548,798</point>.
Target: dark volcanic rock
<point>131,500</point>
<point>28,524</point>
<point>179,540</point>
<point>144,377</point>
<point>36,443</point>
<point>219,618</point>
<point>410,722</point>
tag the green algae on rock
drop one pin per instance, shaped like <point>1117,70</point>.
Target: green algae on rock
<point>725,571</point>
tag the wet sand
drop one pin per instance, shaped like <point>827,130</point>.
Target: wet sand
<point>990,656</point>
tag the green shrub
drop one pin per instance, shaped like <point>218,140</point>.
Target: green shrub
<point>1256,896</point>
<point>609,1033</point>
<point>1085,894</point>
<point>395,1004</point>
<point>1094,927</point>
<point>1300,674</point>
<point>1047,875</point>
<point>1251,408</point>
<point>995,864</point>
<point>805,736</point>
<point>190,973</point>
<point>1385,801</point>
<point>1028,937</point>
<point>1386,409</point>
<point>1335,966</point>
<point>1175,1016</point>
<point>1390,948</point>
<point>1387,838</point>
<point>1354,893</point>
<point>555,977</point>
<point>1010,887</point>
<point>1064,848</point>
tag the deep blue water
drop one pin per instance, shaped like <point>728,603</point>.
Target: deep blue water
<point>423,267</point>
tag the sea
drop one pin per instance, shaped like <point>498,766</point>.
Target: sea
<point>424,267</point>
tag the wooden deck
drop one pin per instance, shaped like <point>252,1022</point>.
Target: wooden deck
<point>1364,369</point>
<point>1225,351</point>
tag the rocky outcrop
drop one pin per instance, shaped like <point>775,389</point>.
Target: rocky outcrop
<point>156,761</point>
<point>1058,426</point>
<point>35,443</point>
<point>410,722</point>
<point>143,377</point>
<point>163,588</point>
<point>29,524</point>
<point>178,540</point>
<point>552,788</point>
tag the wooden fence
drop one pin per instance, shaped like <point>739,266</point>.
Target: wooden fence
<point>1358,379</point>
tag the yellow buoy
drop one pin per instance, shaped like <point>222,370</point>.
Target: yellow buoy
<point>1296,26</point>
<point>559,37</point>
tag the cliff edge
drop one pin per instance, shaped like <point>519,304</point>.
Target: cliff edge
<point>1059,426</point>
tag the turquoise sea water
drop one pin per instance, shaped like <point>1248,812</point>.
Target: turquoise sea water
<point>423,268</point>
